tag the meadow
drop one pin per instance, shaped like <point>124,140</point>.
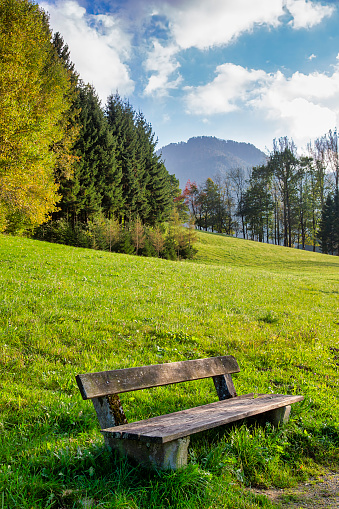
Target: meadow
<point>65,311</point>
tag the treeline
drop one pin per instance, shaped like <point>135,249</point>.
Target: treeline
<point>69,166</point>
<point>288,200</point>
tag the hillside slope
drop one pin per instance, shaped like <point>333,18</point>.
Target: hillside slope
<point>218,249</point>
<point>204,157</point>
<point>65,311</point>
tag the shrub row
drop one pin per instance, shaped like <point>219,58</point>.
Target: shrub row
<point>170,241</point>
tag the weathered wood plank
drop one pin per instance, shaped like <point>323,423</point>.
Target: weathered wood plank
<point>109,411</point>
<point>93,385</point>
<point>162,429</point>
<point>224,386</point>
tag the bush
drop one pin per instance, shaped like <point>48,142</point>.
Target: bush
<point>125,244</point>
<point>63,232</point>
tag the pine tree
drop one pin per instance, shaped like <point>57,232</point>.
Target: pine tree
<point>63,149</point>
<point>120,116</point>
<point>96,185</point>
<point>326,233</point>
<point>158,183</point>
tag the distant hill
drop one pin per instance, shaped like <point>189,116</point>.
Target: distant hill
<point>206,156</point>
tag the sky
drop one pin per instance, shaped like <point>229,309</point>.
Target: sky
<point>241,70</point>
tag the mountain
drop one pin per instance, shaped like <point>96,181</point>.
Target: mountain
<point>206,156</point>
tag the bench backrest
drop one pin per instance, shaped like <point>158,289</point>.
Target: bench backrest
<point>104,383</point>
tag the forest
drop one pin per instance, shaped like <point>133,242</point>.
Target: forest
<point>72,171</point>
<point>290,200</point>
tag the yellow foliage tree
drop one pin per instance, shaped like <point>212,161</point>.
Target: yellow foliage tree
<point>34,91</point>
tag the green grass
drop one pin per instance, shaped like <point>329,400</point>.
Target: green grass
<point>67,310</point>
<point>216,249</point>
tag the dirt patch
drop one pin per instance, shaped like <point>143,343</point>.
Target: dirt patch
<point>322,493</point>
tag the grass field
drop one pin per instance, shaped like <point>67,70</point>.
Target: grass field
<point>67,310</point>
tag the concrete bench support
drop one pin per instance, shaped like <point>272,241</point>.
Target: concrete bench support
<point>171,455</point>
<point>279,416</point>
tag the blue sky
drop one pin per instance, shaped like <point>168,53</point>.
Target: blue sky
<point>236,69</point>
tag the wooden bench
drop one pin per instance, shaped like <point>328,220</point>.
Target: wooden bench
<point>162,441</point>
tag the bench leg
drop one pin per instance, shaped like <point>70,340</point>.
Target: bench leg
<point>279,416</point>
<point>171,455</point>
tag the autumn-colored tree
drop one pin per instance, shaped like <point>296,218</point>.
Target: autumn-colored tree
<point>66,157</point>
<point>157,239</point>
<point>112,232</point>
<point>34,92</point>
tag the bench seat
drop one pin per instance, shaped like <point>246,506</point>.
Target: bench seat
<point>169,427</point>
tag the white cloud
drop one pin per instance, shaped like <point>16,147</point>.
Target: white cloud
<point>306,13</point>
<point>302,106</point>
<point>203,24</point>
<point>297,111</point>
<point>98,46</point>
<point>318,87</point>
<point>161,60</point>
<point>232,86</point>
<point>311,57</point>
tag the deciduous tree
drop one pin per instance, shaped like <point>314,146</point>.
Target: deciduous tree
<point>34,96</point>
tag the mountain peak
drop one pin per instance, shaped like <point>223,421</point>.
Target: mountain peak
<point>202,157</point>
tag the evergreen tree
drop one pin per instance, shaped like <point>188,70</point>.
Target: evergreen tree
<point>327,227</point>
<point>95,185</point>
<point>63,149</point>
<point>336,222</point>
<point>120,116</point>
<point>158,183</point>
